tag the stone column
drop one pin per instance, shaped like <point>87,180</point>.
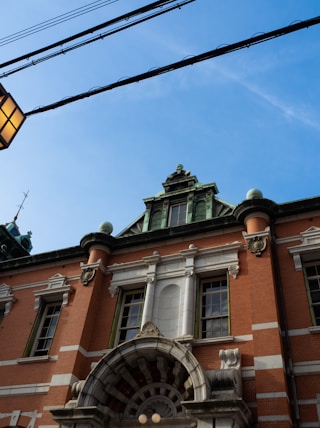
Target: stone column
<point>150,291</point>
<point>188,309</point>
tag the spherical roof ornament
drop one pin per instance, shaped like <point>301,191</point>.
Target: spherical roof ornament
<point>254,194</point>
<point>106,227</point>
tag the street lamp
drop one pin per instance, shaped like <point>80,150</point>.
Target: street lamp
<point>11,118</point>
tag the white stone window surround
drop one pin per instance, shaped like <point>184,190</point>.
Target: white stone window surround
<point>308,250</point>
<point>57,290</point>
<point>6,299</point>
<point>174,276</point>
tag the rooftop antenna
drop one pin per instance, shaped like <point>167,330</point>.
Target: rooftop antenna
<point>21,206</point>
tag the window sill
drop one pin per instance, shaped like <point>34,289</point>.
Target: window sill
<point>314,329</point>
<point>28,360</point>
<point>212,340</point>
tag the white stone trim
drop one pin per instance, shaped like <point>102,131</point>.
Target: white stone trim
<point>222,339</point>
<point>272,395</point>
<point>268,362</point>
<point>7,299</point>
<point>298,332</point>
<point>265,326</point>
<point>63,379</point>
<point>309,425</point>
<point>306,368</point>
<point>248,372</point>
<point>71,348</point>
<point>57,289</point>
<point>310,243</point>
<point>243,338</point>
<point>15,416</point>
<point>275,418</point>
<point>315,329</point>
<point>48,426</point>
<point>96,265</point>
<point>307,402</point>
<point>27,389</point>
<point>287,240</point>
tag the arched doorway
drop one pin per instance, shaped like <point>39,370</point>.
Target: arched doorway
<point>144,376</point>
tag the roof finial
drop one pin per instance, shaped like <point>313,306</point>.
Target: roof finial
<point>20,206</point>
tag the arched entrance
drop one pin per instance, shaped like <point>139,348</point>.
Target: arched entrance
<point>144,376</point>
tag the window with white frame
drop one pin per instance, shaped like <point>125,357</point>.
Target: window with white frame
<point>130,315</point>
<point>178,214</point>
<point>312,272</point>
<point>48,304</point>
<point>44,328</point>
<point>47,327</point>
<point>214,296</point>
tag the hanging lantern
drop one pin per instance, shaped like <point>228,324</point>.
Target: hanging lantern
<point>11,118</point>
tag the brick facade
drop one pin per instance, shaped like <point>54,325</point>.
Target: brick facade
<point>264,373</point>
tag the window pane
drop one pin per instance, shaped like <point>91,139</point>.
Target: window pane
<point>313,283</point>
<point>215,308</point>
<point>131,315</point>
<point>47,329</point>
<point>178,214</point>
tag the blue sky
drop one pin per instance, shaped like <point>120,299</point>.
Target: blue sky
<point>247,119</point>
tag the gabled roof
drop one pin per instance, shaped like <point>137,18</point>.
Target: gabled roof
<point>180,187</point>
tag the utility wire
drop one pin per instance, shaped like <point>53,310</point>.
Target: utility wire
<point>96,38</point>
<point>126,16</point>
<point>188,61</point>
<point>54,21</point>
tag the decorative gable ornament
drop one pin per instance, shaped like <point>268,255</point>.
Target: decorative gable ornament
<point>7,299</point>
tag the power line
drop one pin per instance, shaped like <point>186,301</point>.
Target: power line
<point>126,16</point>
<point>96,38</point>
<point>180,64</point>
<point>54,21</point>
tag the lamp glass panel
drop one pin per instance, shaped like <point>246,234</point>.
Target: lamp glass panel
<point>2,146</point>
<point>17,118</point>
<point>8,132</point>
<point>8,106</point>
<point>3,119</point>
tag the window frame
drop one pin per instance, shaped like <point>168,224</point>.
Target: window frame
<point>39,327</point>
<point>122,307</point>
<point>178,222</point>
<point>312,305</point>
<point>222,276</point>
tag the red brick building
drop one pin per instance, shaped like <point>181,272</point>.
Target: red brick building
<point>199,313</point>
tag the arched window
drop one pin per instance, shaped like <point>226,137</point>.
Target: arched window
<point>155,220</point>
<point>200,211</point>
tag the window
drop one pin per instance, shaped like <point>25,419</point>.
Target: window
<point>156,220</point>
<point>178,214</point>
<point>312,272</point>
<point>214,307</point>
<point>44,329</point>
<point>131,313</point>
<point>1,314</point>
<point>200,211</point>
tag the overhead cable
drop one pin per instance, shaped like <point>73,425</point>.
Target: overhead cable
<point>55,21</point>
<point>185,62</point>
<point>124,17</point>
<point>100,36</point>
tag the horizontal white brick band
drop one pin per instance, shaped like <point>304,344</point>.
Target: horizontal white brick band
<point>85,353</point>
<point>268,362</point>
<point>63,379</point>
<point>272,395</point>
<point>274,418</point>
<point>27,389</point>
<point>265,326</point>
